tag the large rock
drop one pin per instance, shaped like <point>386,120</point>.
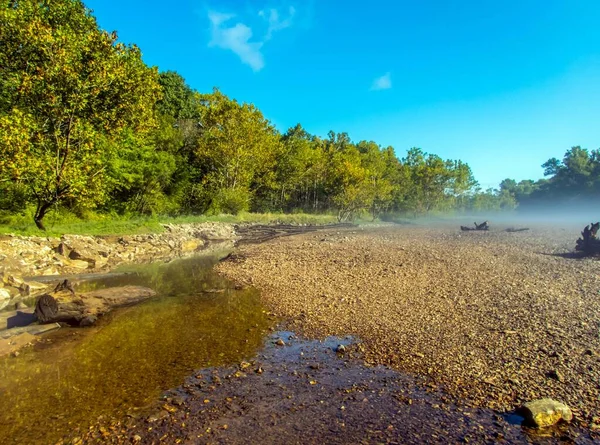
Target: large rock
<point>545,412</point>
<point>31,287</point>
<point>191,245</point>
<point>4,298</point>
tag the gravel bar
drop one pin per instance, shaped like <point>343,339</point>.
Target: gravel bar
<point>493,318</point>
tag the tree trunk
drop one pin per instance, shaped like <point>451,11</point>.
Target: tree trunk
<point>40,212</point>
<point>84,309</point>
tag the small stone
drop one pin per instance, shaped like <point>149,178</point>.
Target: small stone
<point>545,412</point>
<point>556,375</point>
<point>340,349</point>
<point>259,370</point>
<point>137,438</point>
<point>280,342</point>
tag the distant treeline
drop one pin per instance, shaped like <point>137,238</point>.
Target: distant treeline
<point>572,184</point>
<point>85,124</point>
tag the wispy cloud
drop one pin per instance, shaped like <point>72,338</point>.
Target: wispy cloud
<point>275,22</point>
<point>238,37</point>
<point>235,38</point>
<point>382,83</point>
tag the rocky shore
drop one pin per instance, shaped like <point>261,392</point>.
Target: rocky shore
<point>74,254</point>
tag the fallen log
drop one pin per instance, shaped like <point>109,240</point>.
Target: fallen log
<point>483,226</point>
<point>512,229</point>
<point>84,309</point>
<point>589,242</point>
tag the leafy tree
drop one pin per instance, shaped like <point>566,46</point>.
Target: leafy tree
<point>67,92</point>
<point>178,99</point>
<point>237,147</point>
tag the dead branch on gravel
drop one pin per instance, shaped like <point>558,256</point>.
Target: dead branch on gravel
<point>483,226</point>
<point>589,242</point>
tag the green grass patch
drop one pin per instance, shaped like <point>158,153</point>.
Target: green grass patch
<point>96,224</point>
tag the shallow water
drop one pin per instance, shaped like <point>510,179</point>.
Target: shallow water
<point>75,375</point>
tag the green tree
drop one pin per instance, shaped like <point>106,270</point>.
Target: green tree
<point>67,92</point>
<point>237,149</point>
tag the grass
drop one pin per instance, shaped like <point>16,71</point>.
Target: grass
<point>98,224</point>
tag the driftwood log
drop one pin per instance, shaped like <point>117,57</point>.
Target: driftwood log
<point>589,242</point>
<point>513,230</point>
<point>483,226</point>
<point>66,306</point>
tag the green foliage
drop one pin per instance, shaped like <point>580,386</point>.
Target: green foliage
<point>68,90</point>
<point>574,181</point>
<point>230,201</point>
<point>85,124</point>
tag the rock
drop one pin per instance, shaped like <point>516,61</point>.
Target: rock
<point>556,375</point>
<point>79,264</point>
<point>545,412</point>
<point>340,349</point>
<point>28,288</point>
<point>12,280</point>
<point>191,245</point>
<point>280,342</point>
<point>62,249</point>
<point>4,298</point>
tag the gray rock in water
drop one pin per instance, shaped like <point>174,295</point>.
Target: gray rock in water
<point>545,412</point>
<point>340,349</point>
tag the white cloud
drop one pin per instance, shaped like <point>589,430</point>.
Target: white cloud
<point>275,23</point>
<point>382,83</point>
<point>236,38</point>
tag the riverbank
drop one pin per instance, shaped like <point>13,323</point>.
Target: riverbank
<point>24,258</point>
<point>493,318</point>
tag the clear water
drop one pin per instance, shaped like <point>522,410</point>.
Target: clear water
<point>124,363</point>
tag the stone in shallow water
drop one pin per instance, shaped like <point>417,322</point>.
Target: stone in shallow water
<point>545,412</point>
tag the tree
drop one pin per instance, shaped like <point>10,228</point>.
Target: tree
<point>67,92</point>
<point>237,148</point>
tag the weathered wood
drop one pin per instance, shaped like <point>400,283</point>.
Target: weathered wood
<point>589,242</point>
<point>84,309</point>
<point>512,229</point>
<point>483,226</point>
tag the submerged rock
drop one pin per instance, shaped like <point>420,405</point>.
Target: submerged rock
<point>545,412</point>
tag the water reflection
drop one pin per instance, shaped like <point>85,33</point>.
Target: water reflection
<point>125,362</point>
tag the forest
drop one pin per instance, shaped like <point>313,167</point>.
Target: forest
<point>86,126</point>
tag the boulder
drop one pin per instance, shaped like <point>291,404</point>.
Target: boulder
<point>191,245</point>
<point>31,287</point>
<point>4,298</point>
<point>12,280</point>
<point>545,412</point>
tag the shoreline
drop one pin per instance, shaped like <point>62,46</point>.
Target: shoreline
<point>495,319</point>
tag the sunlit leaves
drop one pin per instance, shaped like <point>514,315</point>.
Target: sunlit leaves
<point>66,87</point>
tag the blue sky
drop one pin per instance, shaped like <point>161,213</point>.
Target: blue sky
<point>502,85</point>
